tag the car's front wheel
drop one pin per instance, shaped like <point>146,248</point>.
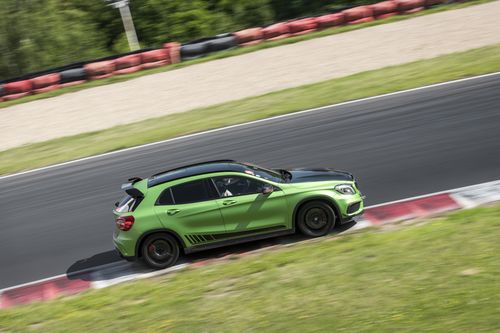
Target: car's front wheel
<point>315,219</point>
<point>160,251</point>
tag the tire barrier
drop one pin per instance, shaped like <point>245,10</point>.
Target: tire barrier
<point>202,47</point>
<point>276,31</point>
<point>155,58</point>
<point>127,64</point>
<point>358,14</point>
<point>174,52</point>
<point>410,6</point>
<point>72,77</point>
<point>302,26</point>
<point>18,89</point>
<point>99,70</point>
<point>330,20</point>
<point>45,83</point>
<point>250,36</point>
<point>384,9</point>
<point>224,42</point>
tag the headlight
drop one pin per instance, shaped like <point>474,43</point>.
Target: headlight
<point>345,189</point>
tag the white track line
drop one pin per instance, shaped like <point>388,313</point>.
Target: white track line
<point>292,114</point>
<point>118,263</point>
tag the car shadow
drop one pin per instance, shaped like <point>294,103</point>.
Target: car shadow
<point>108,267</point>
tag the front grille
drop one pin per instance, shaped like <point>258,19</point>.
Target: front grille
<point>353,207</point>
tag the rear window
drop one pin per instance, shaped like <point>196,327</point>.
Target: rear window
<point>127,204</point>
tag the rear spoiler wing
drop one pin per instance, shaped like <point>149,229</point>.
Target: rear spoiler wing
<point>131,190</point>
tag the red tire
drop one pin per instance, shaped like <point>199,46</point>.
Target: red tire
<point>99,70</point>
<point>383,8</point>
<point>129,61</point>
<point>408,6</point>
<point>356,14</point>
<point>330,20</point>
<point>155,64</point>
<point>18,87</point>
<point>383,16</point>
<point>363,20</point>
<point>276,30</point>
<point>15,96</point>
<point>279,37</point>
<point>128,70</point>
<point>301,26</point>
<point>45,81</point>
<point>46,89</point>
<point>249,35</point>
<point>154,56</point>
<point>174,51</point>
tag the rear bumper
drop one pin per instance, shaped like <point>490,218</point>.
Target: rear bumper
<point>128,258</point>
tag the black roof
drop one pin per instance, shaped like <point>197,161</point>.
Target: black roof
<point>196,169</point>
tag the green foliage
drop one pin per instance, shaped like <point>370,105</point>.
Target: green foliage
<point>38,34</point>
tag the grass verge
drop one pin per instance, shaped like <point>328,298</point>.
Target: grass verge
<point>380,81</point>
<point>418,278</point>
<point>238,51</point>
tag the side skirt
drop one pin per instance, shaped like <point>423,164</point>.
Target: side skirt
<point>229,242</point>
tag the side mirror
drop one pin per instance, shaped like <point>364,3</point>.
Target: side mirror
<point>117,203</point>
<point>267,190</point>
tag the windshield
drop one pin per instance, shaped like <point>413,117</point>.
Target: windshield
<point>265,173</point>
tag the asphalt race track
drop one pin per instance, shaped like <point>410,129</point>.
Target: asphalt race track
<point>397,146</point>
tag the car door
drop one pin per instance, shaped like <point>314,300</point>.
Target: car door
<point>191,210</point>
<point>245,209</point>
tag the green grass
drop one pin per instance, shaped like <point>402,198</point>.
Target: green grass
<point>390,79</point>
<point>238,51</point>
<point>442,276</point>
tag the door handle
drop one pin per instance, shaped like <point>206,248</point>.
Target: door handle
<point>172,211</point>
<point>228,202</point>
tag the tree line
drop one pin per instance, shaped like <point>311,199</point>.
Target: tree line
<point>39,34</point>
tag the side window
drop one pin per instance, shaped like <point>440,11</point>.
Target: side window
<point>165,198</point>
<point>190,192</point>
<point>230,186</point>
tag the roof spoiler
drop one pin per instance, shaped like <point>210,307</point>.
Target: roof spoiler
<point>131,190</point>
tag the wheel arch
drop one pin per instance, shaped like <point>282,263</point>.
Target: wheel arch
<point>138,245</point>
<point>321,198</point>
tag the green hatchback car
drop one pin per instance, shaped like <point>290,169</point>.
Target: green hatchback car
<point>218,203</point>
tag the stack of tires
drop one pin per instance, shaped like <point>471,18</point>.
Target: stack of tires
<point>330,20</point>
<point>155,58</point>
<point>174,51</point>
<point>384,9</point>
<point>72,77</point>
<point>250,36</point>
<point>410,6</point>
<point>276,31</point>
<point>15,90</point>
<point>202,47</point>
<point>45,83</point>
<point>127,64</point>
<point>357,15</point>
<point>99,70</point>
<point>302,26</point>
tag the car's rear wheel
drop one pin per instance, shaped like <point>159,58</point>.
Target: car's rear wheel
<point>160,251</point>
<point>315,219</point>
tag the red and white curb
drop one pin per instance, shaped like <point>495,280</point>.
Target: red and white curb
<point>390,212</point>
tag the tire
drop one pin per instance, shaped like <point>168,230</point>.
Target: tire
<point>222,43</point>
<point>70,75</point>
<point>193,51</point>
<point>315,219</point>
<point>160,251</point>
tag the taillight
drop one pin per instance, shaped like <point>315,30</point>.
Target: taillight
<point>125,223</point>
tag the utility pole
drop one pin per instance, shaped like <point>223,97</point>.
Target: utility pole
<point>128,23</point>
